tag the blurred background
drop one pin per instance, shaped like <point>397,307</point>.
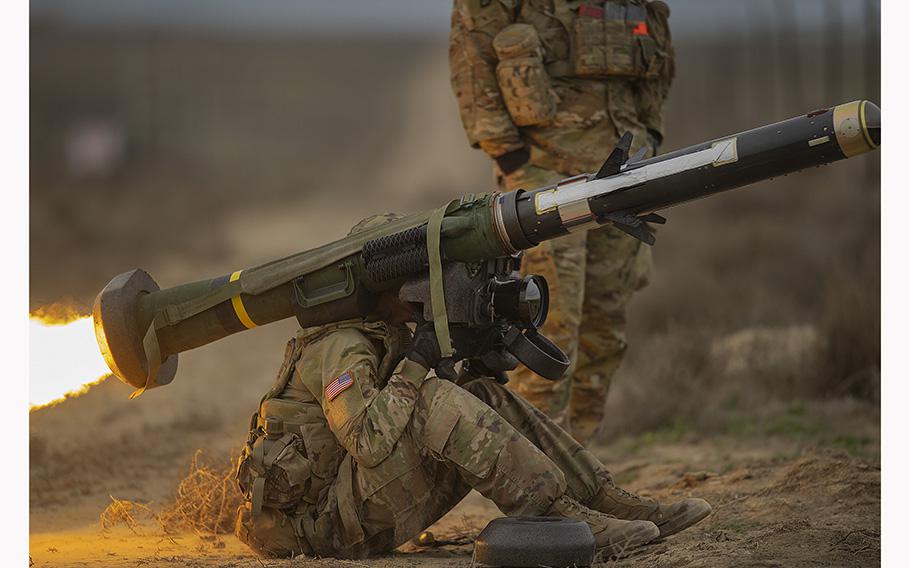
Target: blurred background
<point>194,139</point>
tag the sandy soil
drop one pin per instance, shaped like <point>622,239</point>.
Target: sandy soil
<point>781,500</point>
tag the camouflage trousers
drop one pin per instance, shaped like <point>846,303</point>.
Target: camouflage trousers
<point>592,276</point>
<point>481,436</point>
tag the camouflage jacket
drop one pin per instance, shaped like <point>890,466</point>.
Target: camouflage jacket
<point>563,77</point>
<point>342,399</point>
<point>369,407</point>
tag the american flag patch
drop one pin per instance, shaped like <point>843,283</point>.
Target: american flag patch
<point>338,386</point>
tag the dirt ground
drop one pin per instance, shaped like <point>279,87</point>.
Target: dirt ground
<point>751,378</point>
<point>790,499</point>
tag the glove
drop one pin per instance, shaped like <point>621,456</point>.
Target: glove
<point>511,161</point>
<point>424,349</point>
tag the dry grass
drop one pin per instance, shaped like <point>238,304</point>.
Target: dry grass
<point>128,513</point>
<point>850,356</point>
<point>767,296</point>
<point>206,502</point>
<point>207,499</point>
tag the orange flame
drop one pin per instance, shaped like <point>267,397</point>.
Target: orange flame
<point>64,359</point>
<point>57,314</point>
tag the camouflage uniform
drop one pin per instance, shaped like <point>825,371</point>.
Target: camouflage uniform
<point>355,450</point>
<point>558,81</point>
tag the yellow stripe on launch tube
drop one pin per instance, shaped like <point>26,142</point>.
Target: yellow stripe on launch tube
<point>239,309</point>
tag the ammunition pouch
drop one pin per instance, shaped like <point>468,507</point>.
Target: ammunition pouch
<point>614,41</point>
<point>274,469</point>
<point>272,532</point>
<point>522,76</point>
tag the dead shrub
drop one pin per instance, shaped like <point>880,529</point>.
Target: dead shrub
<point>849,314</point>
<point>207,499</point>
<point>666,388</point>
<point>206,502</point>
<point>124,512</point>
<point>850,355</point>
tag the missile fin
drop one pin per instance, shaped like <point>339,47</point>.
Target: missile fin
<point>639,156</point>
<point>641,233</point>
<point>624,218</point>
<point>654,218</point>
<point>618,157</point>
<point>636,226</point>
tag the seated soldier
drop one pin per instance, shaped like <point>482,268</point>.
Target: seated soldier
<point>355,450</point>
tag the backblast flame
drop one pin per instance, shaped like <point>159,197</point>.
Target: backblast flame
<point>64,360</point>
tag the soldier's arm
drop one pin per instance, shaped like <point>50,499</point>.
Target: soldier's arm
<point>366,419</point>
<point>472,69</point>
<point>652,93</point>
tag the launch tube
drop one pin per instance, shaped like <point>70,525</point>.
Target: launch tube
<point>136,322</point>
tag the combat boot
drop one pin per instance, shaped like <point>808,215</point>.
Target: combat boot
<point>670,519</point>
<point>613,536</point>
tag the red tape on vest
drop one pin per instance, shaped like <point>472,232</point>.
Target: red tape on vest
<point>590,11</point>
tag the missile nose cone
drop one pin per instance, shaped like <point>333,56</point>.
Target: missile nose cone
<point>872,122</point>
<point>857,126</point>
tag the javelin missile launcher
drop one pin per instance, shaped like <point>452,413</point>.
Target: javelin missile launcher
<point>457,265</point>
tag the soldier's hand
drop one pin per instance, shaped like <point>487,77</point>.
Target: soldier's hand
<point>512,161</point>
<point>424,348</point>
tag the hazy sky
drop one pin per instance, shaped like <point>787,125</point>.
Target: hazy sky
<point>383,17</point>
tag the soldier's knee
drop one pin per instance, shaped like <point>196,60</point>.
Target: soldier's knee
<point>454,426</point>
<point>434,392</point>
<point>438,410</point>
<point>489,391</point>
<point>269,533</point>
<point>503,400</point>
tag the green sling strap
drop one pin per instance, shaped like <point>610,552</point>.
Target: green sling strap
<point>437,292</point>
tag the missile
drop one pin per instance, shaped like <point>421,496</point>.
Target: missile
<point>141,328</point>
<point>627,192</point>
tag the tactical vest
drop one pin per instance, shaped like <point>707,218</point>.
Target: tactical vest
<point>613,39</point>
<point>291,457</point>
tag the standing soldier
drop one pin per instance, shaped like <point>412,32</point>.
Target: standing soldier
<point>546,88</point>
